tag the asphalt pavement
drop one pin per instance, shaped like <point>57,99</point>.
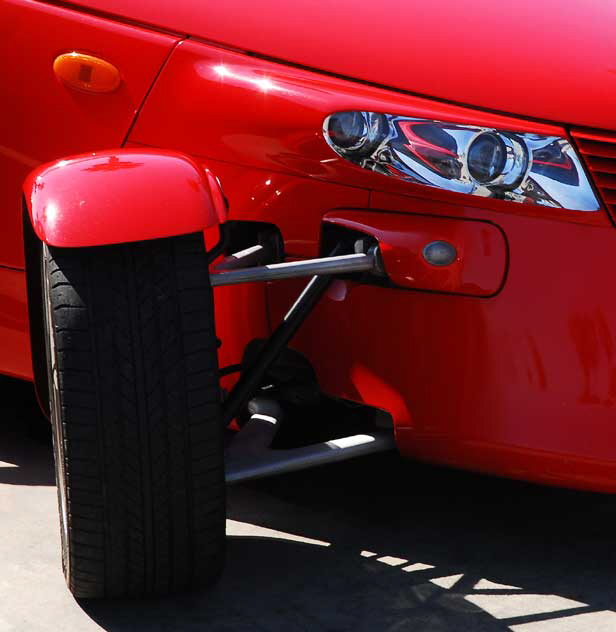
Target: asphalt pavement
<point>378,544</point>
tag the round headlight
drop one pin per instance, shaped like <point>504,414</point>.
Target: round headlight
<point>355,135</point>
<point>487,156</point>
<point>348,130</point>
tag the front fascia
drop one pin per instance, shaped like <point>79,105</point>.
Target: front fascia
<point>517,377</point>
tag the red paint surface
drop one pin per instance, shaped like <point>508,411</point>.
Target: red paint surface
<point>14,331</point>
<point>121,195</point>
<point>553,60</point>
<point>522,383</point>
<point>479,269</point>
<point>225,106</point>
<point>42,118</point>
<point>524,378</point>
<point>297,206</point>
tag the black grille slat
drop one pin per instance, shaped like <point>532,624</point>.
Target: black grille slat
<point>598,149</point>
<point>601,165</point>
<point>595,148</point>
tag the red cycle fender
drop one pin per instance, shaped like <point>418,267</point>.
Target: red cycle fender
<point>121,195</point>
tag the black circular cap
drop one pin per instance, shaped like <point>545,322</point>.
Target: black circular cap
<point>347,130</point>
<point>486,157</point>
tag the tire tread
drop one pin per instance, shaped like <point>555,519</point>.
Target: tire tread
<point>139,407</point>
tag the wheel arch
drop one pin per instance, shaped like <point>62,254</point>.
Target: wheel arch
<point>121,196</point>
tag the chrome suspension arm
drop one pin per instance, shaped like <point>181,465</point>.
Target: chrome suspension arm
<point>325,266</point>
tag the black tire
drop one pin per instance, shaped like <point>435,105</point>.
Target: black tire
<point>135,408</point>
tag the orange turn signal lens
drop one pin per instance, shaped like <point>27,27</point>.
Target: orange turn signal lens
<point>86,72</point>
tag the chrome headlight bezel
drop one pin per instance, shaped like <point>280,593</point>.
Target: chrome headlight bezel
<point>544,170</point>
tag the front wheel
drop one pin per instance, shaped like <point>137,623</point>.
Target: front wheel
<point>135,411</point>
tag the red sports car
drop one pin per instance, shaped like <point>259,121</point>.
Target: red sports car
<point>406,214</point>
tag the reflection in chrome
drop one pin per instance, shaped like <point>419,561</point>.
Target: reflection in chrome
<point>525,168</point>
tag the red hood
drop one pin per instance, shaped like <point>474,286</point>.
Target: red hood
<point>545,59</point>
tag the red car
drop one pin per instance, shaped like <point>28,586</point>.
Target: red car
<point>444,179</point>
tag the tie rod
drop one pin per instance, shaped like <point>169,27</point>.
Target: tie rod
<point>324,266</point>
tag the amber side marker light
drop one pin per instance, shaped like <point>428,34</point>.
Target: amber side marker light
<point>86,72</point>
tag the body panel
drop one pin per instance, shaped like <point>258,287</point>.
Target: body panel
<point>542,60</point>
<point>528,372</point>
<point>225,106</point>
<point>43,119</point>
<point>15,357</point>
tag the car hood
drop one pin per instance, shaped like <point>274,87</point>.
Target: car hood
<point>538,58</point>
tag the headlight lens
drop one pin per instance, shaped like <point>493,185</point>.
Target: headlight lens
<point>527,168</point>
<point>486,157</point>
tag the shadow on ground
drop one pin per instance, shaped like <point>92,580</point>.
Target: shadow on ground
<point>379,544</point>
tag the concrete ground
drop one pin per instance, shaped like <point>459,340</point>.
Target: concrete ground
<point>372,545</point>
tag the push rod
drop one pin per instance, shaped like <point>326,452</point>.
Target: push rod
<point>250,379</point>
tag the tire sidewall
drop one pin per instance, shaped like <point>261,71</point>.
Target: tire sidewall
<point>55,416</point>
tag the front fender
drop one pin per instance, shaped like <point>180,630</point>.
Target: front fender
<point>120,196</point>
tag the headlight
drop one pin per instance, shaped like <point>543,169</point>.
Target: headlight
<point>481,161</point>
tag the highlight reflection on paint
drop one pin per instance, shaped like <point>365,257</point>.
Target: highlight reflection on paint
<point>263,83</point>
